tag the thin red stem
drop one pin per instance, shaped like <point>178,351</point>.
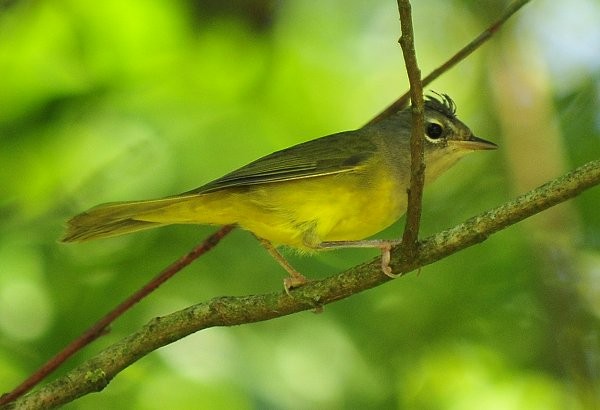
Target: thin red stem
<point>100,327</point>
<point>463,53</point>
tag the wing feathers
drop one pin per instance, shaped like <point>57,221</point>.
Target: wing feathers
<point>323,156</point>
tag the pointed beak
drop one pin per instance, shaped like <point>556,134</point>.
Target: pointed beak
<point>474,144</point>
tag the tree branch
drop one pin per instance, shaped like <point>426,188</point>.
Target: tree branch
<point>97,372</point>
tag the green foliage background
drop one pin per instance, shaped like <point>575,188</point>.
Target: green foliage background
<point>136,99</point>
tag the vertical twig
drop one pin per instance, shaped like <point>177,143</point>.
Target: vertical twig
<point>417,165</point>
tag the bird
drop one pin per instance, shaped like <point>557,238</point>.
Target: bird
<point>329,192</point>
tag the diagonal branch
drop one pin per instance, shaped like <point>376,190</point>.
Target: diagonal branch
<point>97,372</point>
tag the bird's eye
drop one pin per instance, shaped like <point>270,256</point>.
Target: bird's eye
<point>434,130</point>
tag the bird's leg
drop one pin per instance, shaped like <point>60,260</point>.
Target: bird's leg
<point>383,244</point>
<point>296,279</point>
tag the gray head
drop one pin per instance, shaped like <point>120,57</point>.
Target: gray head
<point>446,138</point>
<point>444,130</point>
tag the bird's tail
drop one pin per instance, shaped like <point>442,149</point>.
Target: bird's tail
<point>118,218</point>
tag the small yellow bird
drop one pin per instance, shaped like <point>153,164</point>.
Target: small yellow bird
<point>330,192</point>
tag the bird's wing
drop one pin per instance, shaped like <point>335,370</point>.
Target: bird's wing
<point>333,154</point>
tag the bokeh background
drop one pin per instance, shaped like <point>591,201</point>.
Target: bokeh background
<point>118,100</point>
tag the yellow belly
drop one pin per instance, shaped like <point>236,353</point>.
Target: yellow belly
<point>299,213</point>
<point>325,209</point>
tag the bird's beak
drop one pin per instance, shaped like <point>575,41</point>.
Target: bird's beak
<point>474,144</point>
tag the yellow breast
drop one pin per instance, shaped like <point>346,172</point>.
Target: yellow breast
<point>302,213</point>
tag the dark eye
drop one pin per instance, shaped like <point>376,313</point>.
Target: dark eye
<point>434,131</point>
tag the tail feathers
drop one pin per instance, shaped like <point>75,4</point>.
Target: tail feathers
<point>116,218</point>
<point>80,233</point>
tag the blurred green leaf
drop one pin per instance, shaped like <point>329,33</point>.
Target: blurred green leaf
<point>127,100</point>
